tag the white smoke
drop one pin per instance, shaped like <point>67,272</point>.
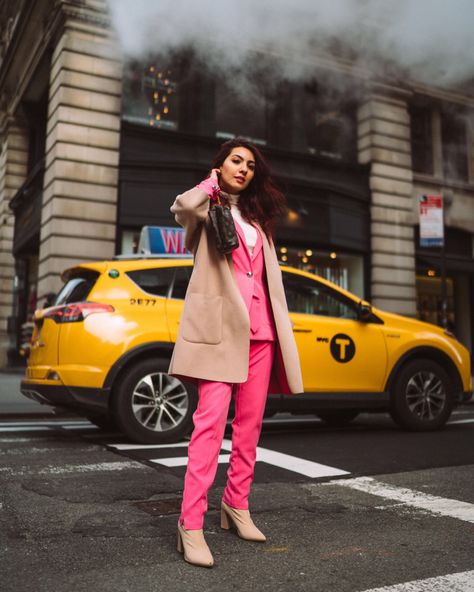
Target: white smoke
<point>429,41</point>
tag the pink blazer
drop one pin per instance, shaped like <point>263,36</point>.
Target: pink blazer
<point>250,275</point>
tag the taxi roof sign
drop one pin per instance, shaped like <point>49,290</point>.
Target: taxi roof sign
<point>162,240</point>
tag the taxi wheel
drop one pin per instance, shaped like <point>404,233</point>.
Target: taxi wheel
<point>152,407</point>
<point>338,417</point>
<point>422,396</point>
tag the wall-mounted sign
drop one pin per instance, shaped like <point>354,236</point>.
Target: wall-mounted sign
<point>162,240</point>
<point>431,221</point>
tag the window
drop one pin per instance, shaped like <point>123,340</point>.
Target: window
<point>76,289</point>
<point>454,142</point>
<point>150,95</point>
<point>309,297</point>
<point>181,280</point>
<point>328,124</point>
<point>153,281</point>
<point>346,271</point>
<point>421,139</point>
<point>239,114</point>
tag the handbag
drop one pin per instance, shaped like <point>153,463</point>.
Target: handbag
<point>222,224</point>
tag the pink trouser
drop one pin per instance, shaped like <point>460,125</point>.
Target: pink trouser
<point>206,440</point>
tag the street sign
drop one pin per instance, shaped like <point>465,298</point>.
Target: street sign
<point>162,240</point>
<point>431,221</point>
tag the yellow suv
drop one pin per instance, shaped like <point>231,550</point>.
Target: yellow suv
<point>103,350</point>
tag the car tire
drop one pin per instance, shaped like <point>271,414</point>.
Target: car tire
<point>422,396</point>
<point>152,407</point>
<point>338,417</point>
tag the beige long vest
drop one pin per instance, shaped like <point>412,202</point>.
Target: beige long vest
<point>214,333</point>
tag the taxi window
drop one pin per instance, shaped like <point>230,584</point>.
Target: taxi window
<point>77,288</point>
<point>154,281</point>
<point>310,297</point>
<point>181,281</point>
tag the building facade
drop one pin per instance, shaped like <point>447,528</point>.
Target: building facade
<point>93,148</point>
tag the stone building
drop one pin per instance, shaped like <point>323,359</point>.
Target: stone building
<point>92,149</point>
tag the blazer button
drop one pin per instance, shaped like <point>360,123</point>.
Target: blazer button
<point>249,274</point>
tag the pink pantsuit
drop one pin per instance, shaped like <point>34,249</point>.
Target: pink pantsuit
<point>250,398</point>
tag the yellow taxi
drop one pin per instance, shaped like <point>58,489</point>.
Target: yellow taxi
<point>104,347</point>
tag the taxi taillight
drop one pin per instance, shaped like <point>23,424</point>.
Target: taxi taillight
<point>73,313</point>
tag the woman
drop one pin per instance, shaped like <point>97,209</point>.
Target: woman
<point>235,335</point>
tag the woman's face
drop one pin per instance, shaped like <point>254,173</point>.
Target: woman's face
<point>237,170</point>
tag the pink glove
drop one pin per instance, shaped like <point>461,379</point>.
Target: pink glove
<point>210,187</point>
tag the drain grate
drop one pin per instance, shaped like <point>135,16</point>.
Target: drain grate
<point>161,507</point>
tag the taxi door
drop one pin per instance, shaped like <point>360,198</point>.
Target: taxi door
<point>337,351</point>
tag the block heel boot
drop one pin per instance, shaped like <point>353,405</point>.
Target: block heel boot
<point>243,523</point>
<point>194,547</point>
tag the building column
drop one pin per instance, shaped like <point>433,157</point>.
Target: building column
<point>13,169</point>
<point>78,218</point>
<point>384,142</point>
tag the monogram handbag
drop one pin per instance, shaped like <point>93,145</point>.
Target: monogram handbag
<point>223,226</point>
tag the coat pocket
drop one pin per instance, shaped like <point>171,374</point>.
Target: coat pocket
<point>201,320</point>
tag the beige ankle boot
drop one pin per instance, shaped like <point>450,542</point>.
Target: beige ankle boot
<point>242,521</point>
<point>194,547</point>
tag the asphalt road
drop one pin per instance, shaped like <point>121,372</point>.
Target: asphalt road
<point>368,507</point>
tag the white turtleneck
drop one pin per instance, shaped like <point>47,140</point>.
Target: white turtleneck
<point>250,231</point>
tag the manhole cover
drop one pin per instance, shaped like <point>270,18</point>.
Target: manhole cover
<point>160,507</point>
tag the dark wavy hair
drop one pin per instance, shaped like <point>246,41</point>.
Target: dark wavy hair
<point>261,201</point>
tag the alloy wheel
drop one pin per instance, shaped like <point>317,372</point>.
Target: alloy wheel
<point>425,395</point>
<point>160,402</point>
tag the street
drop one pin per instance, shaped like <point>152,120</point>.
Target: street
<point>358,508</point>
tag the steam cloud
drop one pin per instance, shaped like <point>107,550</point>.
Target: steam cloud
<point>430,41</point>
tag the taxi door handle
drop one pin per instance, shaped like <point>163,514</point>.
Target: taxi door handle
<point>298,329</point>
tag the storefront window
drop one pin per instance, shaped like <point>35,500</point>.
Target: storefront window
<point>150,95</point>
<point>346,271</point>
<point>129,241</point>
<point>429,300</point>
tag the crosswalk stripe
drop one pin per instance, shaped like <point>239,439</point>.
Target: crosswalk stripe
<point>26,429</point>
<point>147,446</point>
<point>182,461</point>
<point>417,499</point>
<point>461,421</point>
<point>457,582</point>
<point>271,457</point>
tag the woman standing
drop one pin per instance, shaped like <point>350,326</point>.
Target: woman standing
<point>235,335</point>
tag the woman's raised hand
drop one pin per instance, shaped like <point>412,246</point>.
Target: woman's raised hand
<point>215,176</point>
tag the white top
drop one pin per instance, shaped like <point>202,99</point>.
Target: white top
<point>250,231</point>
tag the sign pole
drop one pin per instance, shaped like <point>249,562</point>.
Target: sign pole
<point>444,287</point>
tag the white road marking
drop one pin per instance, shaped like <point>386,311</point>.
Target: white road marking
<point>182,461</point>
<point>147,446</point>
<point>457,582</point>
<point>461,421</point>
<point>53,422</point>
<point>271,457</point>
<point>27,429</point>
<point>417,499</point>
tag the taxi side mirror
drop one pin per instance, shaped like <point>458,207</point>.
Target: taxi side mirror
<point>364,311</point>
